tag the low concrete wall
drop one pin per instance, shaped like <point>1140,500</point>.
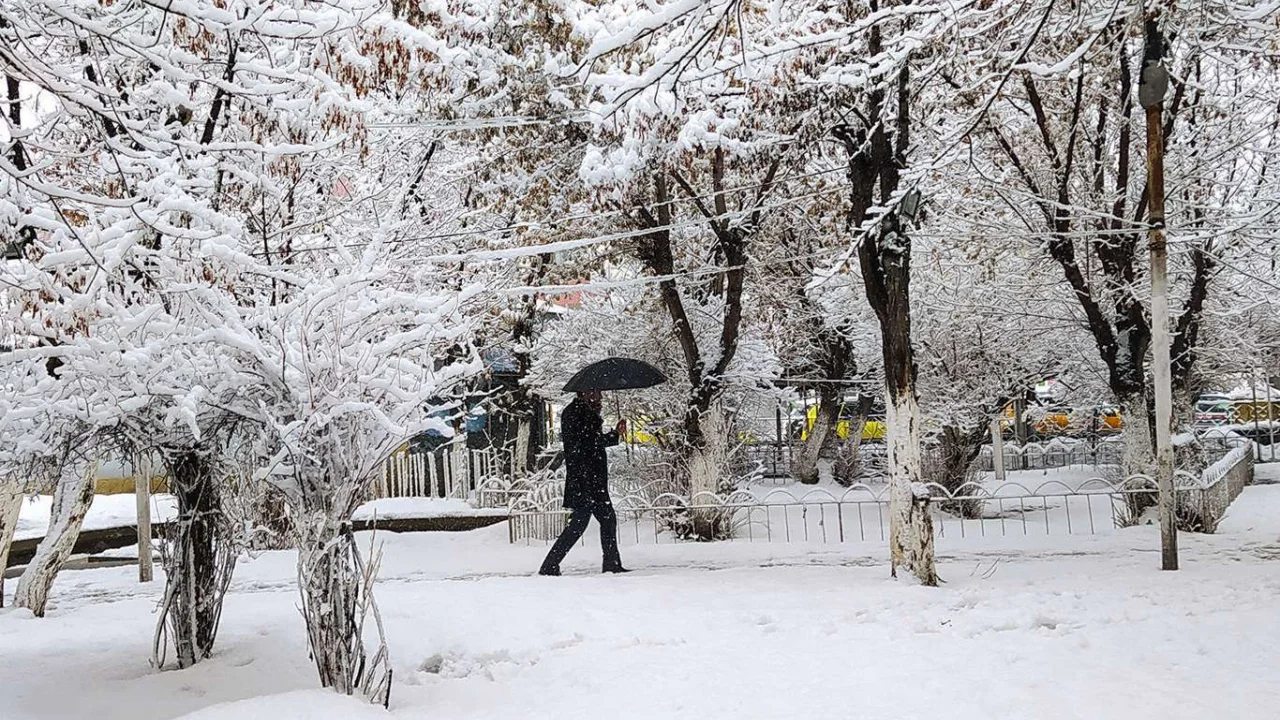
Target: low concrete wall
<point>99,540</point>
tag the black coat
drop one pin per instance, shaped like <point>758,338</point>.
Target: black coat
<point>586,483</point>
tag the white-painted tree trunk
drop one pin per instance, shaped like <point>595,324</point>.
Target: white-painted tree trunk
<point>1139,447</point>
<point>1139,458</point>
<point>709,463</point>
<point>71,500</point>
<point>848,466</point>
<point>910,523</point>
<point>708,466</point>
<point>10,506</point>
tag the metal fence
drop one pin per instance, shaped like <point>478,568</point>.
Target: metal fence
<point>1053,454</point>
<point>860,512</point>
<point>1219,486</point>
<point>452,471</point>
<point>774,459</point>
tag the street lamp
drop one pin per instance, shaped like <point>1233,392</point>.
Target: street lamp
<point>909,206</point>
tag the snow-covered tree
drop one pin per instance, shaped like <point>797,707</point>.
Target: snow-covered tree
<point>347,365</point>
<point>1062,146</point>
<point>172,200</point>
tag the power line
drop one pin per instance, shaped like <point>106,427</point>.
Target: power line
<point>561,220</point>
<point>562,245</point>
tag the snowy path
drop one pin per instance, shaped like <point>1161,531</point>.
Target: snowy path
<point>1073,628</point>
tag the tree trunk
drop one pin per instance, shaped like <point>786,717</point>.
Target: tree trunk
<point>885,258</point>
<point>10,507</point>
<point>958,448</point>
<point>337,596</point>
<point>910,521</point>
<point>1139,447</point>
<point>887,272</point>
<point>708,456</point>
<point>705,448</point>
<point>1139,455</point>
<point>199,559</point>
<point>821,436</point>
<point>848,465</point>
<point>273,525</point>
<point>71,500</point>
<point>706,462</point>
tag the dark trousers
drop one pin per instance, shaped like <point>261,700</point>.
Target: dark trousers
<point>578,520</point>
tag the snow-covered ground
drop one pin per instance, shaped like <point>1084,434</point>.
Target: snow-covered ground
<point>1074,627</point>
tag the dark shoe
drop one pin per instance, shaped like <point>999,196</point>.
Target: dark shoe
<point>618,569</point>
<point>551,572</point>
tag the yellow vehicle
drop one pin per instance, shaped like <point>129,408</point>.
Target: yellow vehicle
<point>1061,421</point>
<point>649,431</point>
<point>873,427</point>
<point>1109,420</point>
<point>1055,421</point>
<point>644,431</point>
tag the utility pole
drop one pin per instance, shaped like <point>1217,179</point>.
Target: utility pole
<point>1151,91</point>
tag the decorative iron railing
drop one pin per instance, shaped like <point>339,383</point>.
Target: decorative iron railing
<point>860,512</point>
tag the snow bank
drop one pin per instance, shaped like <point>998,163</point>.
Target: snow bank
<point>106,511</point>
<point>1256,510</point>
<point>120,510</point>
<point>299,705</point>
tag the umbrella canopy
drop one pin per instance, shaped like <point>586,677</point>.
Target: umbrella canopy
<point>615,373</point>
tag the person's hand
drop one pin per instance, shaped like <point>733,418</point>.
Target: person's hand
<point>622,428</point>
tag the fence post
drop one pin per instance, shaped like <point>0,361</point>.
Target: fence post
<point>997,450</point>
<point>1257,432</point>
<point>1271,422</point>
<point>142,495</point>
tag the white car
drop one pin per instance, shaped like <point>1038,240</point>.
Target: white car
<point>1211,413</point>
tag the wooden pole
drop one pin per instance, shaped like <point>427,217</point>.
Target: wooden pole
<point>142,493</point>
<point>1151,91</point>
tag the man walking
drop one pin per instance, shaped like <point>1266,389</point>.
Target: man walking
<point>586,486</point>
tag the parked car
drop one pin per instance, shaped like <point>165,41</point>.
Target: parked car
<point>1212,413</point>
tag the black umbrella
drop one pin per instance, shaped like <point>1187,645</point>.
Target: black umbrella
<point>615,373</point>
